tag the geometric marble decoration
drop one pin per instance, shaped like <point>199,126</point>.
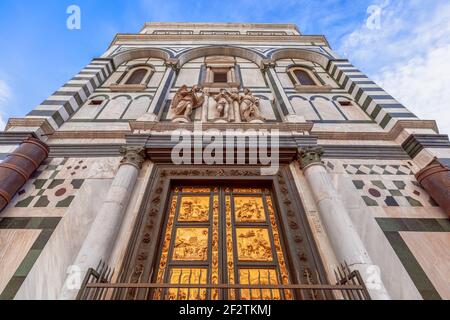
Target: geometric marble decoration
<point>42,229</point>
<point>365,169</point>
<point>48,189</point>
<point>396,193</point>
<point>400,232</point>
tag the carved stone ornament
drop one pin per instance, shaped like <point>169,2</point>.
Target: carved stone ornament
<point>174,64</point>
<point>134,156</point>
<point>309,156</point>
<point>267,64</point>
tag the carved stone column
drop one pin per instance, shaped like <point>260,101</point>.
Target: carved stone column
<point>347,244</point>
<point>435,179</point>
<point>100,241</point>
<point>19,166</point>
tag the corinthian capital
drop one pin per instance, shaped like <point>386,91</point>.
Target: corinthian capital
<point>134,156</point>
<point>309,156</point>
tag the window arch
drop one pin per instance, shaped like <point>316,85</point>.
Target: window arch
<point>137,76</point>
<point>302,76</point>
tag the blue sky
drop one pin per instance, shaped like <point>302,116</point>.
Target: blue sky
<point>406,51</point>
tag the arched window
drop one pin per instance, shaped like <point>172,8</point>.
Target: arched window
<point>137,77</point>
<point>133,78</point>
<point>303,77</point>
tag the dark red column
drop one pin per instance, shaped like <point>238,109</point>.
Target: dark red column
<point>17,168</point>
<point>435,179</point>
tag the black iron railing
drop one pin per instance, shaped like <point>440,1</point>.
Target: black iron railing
<point>98,286</point>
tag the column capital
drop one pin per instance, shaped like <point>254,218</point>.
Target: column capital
<point>267,64</point>
<point>134,156</point>
<point>173,63</point>
<point>310,156</point>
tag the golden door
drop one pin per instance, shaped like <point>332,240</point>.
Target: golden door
<point>221,236</point>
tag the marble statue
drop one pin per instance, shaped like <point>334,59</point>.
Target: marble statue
<point>249,107</point>
<point>224,101</point>
<point>185,101</point>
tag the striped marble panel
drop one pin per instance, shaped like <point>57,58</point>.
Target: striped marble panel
<point>376,102</point>
<point>59,107</point>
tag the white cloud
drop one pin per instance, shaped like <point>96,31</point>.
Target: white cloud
<point>420,84</point>
<point>5,95</point>
<point>408,56</point>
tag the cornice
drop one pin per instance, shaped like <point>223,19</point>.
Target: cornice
<point>15,137</point>
<point>401,125</point>
<point>228,25</point>
<point>90,134</point>
<point>41,123</point>
<point>123,37</point>
<point>415,143</point>
<point>166,126</point>
<point>304,127</point>
<point>390,135</point>
<point>160,146</point>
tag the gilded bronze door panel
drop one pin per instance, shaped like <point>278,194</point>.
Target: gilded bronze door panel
<point>222,236</point>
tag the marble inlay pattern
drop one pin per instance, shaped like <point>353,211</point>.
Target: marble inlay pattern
<point>384,184</point>
<point>42,229</point>
<point>432,253</point>
<point>392,193</point>
<point>54,185</point>
<point>14,245</point>
<point>402,235</point>
<point>366,169</point>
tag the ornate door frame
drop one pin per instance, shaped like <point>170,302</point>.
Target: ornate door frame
<point>302,255</point>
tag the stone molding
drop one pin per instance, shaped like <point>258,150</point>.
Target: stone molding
<point>167,126</point>
<point>415,143</point>
<point>38,123</point>
<point>125,38</point>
